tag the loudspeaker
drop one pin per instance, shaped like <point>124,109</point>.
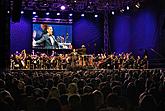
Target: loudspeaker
<point>16,13</point>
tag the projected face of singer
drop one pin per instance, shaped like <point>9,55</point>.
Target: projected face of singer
<point>50,31</point>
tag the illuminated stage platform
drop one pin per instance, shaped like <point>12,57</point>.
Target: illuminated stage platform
<point>63,70</point>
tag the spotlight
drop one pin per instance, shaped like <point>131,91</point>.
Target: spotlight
<point>58,13</point>
<point>96,16</point>
<point>62,7</point>
<point>82,15</point>
<point>8,11</point>
<point>113,13</point>
<point>75,1</point>
<point>127,7</point>
<point>70,14</point>
<point>47,19</point>
<point>34,13</point>
<point>35,16</point>
<point>89,6</point>
<point>137,5</point>
<point>45,4</point>
<point>22,12</point>
<point>47,13</point>
<point>122,10</point>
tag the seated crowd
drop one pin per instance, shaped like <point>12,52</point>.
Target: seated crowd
<point>101,90</point>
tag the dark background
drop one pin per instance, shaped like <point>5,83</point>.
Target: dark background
<point>135,30</point>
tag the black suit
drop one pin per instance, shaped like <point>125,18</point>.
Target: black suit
<point>47,42</point>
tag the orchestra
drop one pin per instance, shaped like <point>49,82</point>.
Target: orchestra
<point>38,60</point>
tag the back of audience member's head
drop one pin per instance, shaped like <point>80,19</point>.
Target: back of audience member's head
<point>112,100</point>
<point>21,85</point>
<point>74,102</point>
<point>147,103</point>
<point>53,93</point>
<point>92,81</point>
<point>80,84</point>
<point>149,84</point>
<point>9,78</point>
<point>61,88</point>
<point>105,89</point>
<point>10,101</point>
<point>140,85</point>
<point>131,90</point>
<point>98,98</point>
<point>87,102</point>
<point>72,88</point>
<point>45,92</point>
<point>4,94</point>
<point>40,104</point>
<point>37,92</point>
<point>155,93</point>
<point>2,84</point>
<point>115,83</point>
<point>64,99</point>
<point>75,80</point>
<point>2,75</point>
<point>117,89</point>
<point>66,80</point>
<point>49,83</point>
<point>29,90</point>
<point>53,104</point>
<point>15,81</point>
<point>56,79</point>
<point>116,77</point>
<point>87,89</point>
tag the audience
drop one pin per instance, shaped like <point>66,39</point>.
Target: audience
<point>84,90</point>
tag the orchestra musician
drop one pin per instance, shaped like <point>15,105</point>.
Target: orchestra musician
<point>23,58</point>
<point>82,58</point>
<point>74,57</point>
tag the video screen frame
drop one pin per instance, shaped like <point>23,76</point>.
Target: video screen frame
<point>44,29</point>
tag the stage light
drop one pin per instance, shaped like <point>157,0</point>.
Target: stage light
<point>47,13</point>
<point>82,15</point>
<point>45,4</point>
<point>47,19</point>
<point>22,12</point>
<point>75,1</point>
<point>88,6</point>
<point>127,7</point>
<point>113,13</point>
<point>96,16</point>
<point>137,5</point>
<point>70,14</point>
<point>122,10</point>
<point>58,13</point>
<point>8,11</point>
<point>62,7</point>
<point>34,13</point>
<point>35,16</point>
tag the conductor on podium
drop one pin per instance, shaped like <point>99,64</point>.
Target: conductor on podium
<point>82,50</point>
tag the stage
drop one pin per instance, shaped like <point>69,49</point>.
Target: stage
<point>65,70</point>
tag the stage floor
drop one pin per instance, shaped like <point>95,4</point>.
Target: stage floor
<point>61,70</point>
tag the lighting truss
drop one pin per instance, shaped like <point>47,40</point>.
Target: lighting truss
<point>78,6</point>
